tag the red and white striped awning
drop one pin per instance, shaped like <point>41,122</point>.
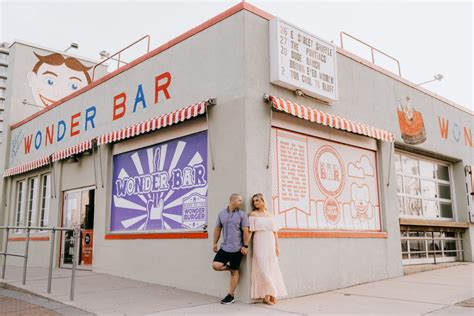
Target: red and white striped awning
<point>26,167</point>
<point>62,154</point>
<point>152,124</point>
<point>331,120</point>
<point>155,123</point>
<point>76,149</point>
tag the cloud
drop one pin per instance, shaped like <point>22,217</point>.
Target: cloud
<point>361,168</point>
<point>366,166</point>
<point>355,171</point>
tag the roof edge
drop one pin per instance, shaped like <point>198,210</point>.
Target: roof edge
<point>216,19</point>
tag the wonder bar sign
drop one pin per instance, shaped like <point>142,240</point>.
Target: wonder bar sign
<point>302,61</point>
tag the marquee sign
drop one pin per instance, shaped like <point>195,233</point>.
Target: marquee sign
<point>300,60</point>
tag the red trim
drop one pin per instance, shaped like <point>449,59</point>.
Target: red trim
<point>44,238</point>
<point>327,234</point>
<point>203,235</point>
<point>218,18</point>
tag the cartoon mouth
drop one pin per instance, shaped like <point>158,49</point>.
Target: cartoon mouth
<point>46,101</point>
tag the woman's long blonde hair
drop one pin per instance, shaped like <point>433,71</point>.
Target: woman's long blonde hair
<point>260,196</point>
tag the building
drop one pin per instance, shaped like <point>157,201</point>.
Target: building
<point>364,170</point>
<point>3,83</point>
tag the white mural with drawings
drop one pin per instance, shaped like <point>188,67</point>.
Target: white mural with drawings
<point>322,185</point>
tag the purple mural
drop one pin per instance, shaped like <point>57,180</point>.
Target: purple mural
<point>162,187</point>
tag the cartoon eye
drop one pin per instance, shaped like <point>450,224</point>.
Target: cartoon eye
<point>73,86</point>
<point>50,81</point>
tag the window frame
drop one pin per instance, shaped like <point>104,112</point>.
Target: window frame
<point>421,178</point>
<point>32,219</point>
<point>41,210</point>
<point>19,218</point>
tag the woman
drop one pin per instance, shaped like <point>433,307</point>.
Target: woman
<point>267,282</point>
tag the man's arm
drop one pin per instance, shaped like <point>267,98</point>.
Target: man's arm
<point>217,235</point>
<point>246,231</point>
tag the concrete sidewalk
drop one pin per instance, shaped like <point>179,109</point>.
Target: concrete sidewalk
<point>437,292</point>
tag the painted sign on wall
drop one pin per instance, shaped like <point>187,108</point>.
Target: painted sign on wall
<point>163,187</point>
<point>454,131</point>
<point>411,123</point>
<point>300,60</point>
<point>55,76</point>
<point>318,184</point>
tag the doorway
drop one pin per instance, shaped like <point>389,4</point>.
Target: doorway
<point>78,209</point>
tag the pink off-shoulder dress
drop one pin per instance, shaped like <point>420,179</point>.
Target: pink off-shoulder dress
<point>266,274</point>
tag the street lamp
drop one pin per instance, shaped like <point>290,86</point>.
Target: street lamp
<point>104,54</point>
<point>72,45</point>
<point>25,102</point>
<point>437,77</point>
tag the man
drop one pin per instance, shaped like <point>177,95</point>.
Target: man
<point>235,223</point>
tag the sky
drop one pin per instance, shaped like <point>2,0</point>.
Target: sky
<point>427,37</point>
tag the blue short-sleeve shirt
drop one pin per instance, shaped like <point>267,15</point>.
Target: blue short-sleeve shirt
<point>232,224</point>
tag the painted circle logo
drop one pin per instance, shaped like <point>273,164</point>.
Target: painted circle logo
<point>331,211</point>
<point>329,171</point>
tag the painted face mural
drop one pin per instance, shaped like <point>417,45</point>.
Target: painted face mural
<point>54,76</point>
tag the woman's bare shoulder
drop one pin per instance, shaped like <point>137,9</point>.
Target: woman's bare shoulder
<point>253,213</point>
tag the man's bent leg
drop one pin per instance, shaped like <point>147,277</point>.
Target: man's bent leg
<point>219,266</point>
<point>234,280</point>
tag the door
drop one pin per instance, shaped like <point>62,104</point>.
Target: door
<point>78,209</point>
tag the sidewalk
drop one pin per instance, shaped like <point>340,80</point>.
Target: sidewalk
<point>434,292</point>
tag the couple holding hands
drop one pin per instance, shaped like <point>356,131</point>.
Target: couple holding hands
<point>238,229</point>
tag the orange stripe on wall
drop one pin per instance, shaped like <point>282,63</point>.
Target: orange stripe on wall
<point>43,238</point>
<point>337,234</point>
<point>199,235</point>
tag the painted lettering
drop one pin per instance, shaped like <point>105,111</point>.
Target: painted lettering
<point>61,133</point>
<point>90,116</point>
<point>162,83</point>
<point>456,132</point>
<point>75,124</point>
<point>38,139</point>
<point>119,106</point>
<point>443,127</point>
<point>140,98</point>
<point>49,135</point>
<point>467,137</point>
<point>27,142</point>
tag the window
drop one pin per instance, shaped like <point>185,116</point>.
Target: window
<point>430,247</point>
<point>32,201</point>
<point>33,198</point>
<point>20,204</point>
<point>423,187</point>
<point>45,199</point>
